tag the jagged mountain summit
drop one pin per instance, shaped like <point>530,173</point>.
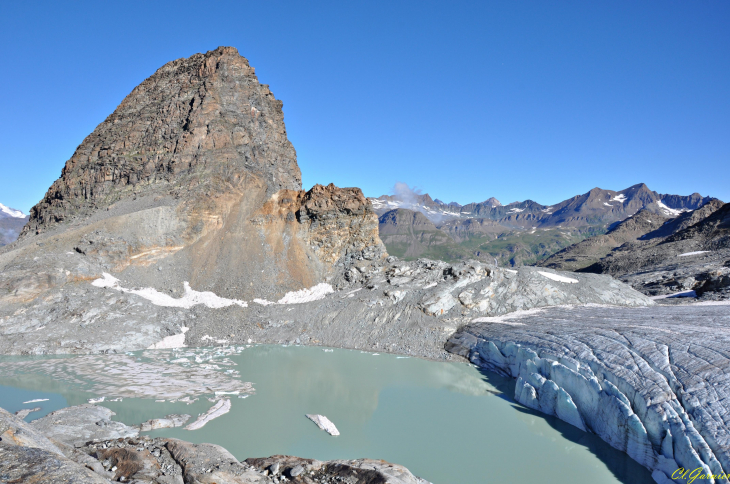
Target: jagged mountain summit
<point>11,224</point>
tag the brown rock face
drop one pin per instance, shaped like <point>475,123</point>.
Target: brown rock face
<point>342,225</point>
<point>192,178</point>
<point>197,126</point>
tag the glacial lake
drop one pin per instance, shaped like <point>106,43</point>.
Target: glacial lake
<point>447,422</point>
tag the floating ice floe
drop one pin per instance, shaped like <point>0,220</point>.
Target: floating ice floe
<point>221,408</point>
<point>697,252</point>
<point>556,277</point>
<point>324,423</point>
<point>96,400</point>
<point>37,400</point>
<point>150,376</point>
<point>188,300</point>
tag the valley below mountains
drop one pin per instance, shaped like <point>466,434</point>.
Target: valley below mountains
<point>181,221</point>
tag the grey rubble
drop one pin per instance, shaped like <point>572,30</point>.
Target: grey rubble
<point>116,453</point>
<point>396,306</point>
<point>652,382</point>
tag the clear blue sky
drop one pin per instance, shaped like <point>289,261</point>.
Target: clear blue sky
<point>462,99</point>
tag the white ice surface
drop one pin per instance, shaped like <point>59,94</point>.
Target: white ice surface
<point>222,407</point>
<point>189,299</point>
<point>11,212</point>
<point>37,400</point>
<point>324,423</point>
<point>556,277</point>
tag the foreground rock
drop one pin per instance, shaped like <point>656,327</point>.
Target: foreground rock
<point>79,424</point>
<point>652,382</point>
<point>26,455</point>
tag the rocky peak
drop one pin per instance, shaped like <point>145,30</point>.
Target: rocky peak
<point>198,126</point>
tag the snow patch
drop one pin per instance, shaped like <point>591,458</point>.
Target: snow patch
<point>607,204</point>
<point>670,211</point>
<point>556,277</point>
<point>516,210</point>
<point>307,295</point>
<point>190,299</point>
<point>11,211</point>
<point>619,198</point>
<point>697,252</point>
<point>171,342</point>
<point>221,408</point>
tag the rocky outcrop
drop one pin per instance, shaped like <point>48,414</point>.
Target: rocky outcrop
<point>118,454</point>
<point>79,424</point>
<point>341,226</point>
<point>196,129</point>
<point>190,181</point>
<point>647,381</point>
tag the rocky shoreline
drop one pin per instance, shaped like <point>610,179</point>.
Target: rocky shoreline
<point>51,450</point>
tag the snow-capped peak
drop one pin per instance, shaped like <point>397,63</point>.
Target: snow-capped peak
<point>11,212</point>
<point>670,212</point>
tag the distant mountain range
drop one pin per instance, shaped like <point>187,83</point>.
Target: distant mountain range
<point>518,233</point>
<point>11,223</point>
<point>688,254</point>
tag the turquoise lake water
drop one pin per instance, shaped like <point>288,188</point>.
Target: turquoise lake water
<point>448,423</point>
